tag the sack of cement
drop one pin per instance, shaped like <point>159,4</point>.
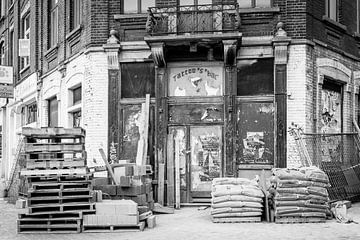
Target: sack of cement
<point>227,198</point>
<point>246,190</point>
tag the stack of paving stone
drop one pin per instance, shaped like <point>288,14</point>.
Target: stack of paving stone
<point>236,200</point>
<point>300,195</point>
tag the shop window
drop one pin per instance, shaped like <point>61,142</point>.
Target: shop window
<point>332,9</point>
<point>254,3</point>
<point>53,112</point>
<point>137,6</point>
<point>53,20</point>
<point>331,108</point>
<point>29,113</point>
<point>25,34</point>
<point>75,13</point>
<point>255,133</point>
<point>255,77</point>
<point>137,80</point>
<point>196,81</point>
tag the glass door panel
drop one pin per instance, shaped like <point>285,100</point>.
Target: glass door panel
<point>206,155</point>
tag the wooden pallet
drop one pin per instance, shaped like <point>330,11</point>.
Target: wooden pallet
<point>57,178</point>
<point>236,220</point>
<point>33,202</point>
<point>60,185</point>
<point>112,228</point>
<point>53,147</point>
<point>292,220</point>
<point>59,193</point>
<point>57,172</point>
<point>53,164</point>
<point>50,223</point>
<point>66,207</point>
<point>53,132</point>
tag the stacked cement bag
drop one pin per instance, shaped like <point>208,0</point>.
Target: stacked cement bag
<point>235,199</point>
<point>300,192</point>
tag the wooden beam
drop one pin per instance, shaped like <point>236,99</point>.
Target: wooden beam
<point>146,128</point>
<point>102,153</point>
<point>140,147</point>
<point>170,171</point>
<point>177,173</point>
<point>161,183</point>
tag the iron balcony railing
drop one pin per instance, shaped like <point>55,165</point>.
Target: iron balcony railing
<point>193,19</point>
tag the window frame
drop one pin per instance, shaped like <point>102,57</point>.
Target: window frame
<point>253,4</point>
<point>76,101</point>
<point>53,23</point>
<point>28,114</point>
<point>138,5</point>
<point>49,108</point>
<point>75,9</point>
<point>25,34</point>
<point>11,46</point>
<point>2,53</point>
<point>328,8</point>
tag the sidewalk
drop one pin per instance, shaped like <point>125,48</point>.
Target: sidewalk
<point>191,223</point>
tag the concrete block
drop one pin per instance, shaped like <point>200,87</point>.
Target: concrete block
<point>116,207</point>
<point>151,221</point>
<point>140,199</point>
<point>125,181</point>
<point>131,191</point>
<point>108,189</point>
<point>20,203</point>
<point>100,181</point>
<point>143,209</point>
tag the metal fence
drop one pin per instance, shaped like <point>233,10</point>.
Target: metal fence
<point>193,19</point>
<point>338,155</point>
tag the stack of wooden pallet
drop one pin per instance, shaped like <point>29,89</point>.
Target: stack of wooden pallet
<point>301,195</point>
<point>236,200</point>
<point>59,188</point>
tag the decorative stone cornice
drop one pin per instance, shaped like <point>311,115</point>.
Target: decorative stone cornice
<point>230,52</point>
<point>157,50</point>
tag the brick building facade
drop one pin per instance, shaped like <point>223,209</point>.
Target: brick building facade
<point>226,78</point>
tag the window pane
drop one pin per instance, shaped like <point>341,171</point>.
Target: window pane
<point>137,79</point>
<point>77,119</point>
<point>53,112</point>
<point>77,95</point>
<point>245,3</point>
<point>255,77</point>
<point>186,2</point>
<point>204,2</point>
<point>145,4</point>
<point>263,3</point>
<point>332,9</point>
<point>130,6</point>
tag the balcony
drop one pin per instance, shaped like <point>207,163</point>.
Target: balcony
<point>193,19</point>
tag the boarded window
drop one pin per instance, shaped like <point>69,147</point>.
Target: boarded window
<point>331,108</point>
<point>255,77</point>
<point>255,133</point>
<point>137,79</point>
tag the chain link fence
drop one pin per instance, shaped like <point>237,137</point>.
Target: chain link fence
<point>337,154</point>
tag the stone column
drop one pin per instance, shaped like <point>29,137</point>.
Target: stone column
<point>112,48</point>
<point>280,44</point>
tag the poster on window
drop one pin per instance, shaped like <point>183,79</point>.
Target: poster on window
<point>196,81</point>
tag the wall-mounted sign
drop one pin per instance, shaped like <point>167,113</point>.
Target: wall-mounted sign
<point>24,47</point>
<point>6,75</point>
<point>196,81</point>
<point>6,91</point>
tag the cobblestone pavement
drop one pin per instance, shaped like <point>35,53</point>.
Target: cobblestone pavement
<point>191,223</point>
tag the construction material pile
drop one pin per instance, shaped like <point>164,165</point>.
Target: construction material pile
<point>300,193</point>
<point>236,200</point>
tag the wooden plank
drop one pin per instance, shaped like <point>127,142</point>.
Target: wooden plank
<point>170,171</point>
<point>73,171</point>
<point>263,188</point>
<point>102,153</point>
<point>161,183</point>
<point>146,128</point>
<point>158,208</point>
<point>53,147</point>
<point>236,220</point>
<point>177,173</point>
<point>141,142</point>
<point>53,132</point>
